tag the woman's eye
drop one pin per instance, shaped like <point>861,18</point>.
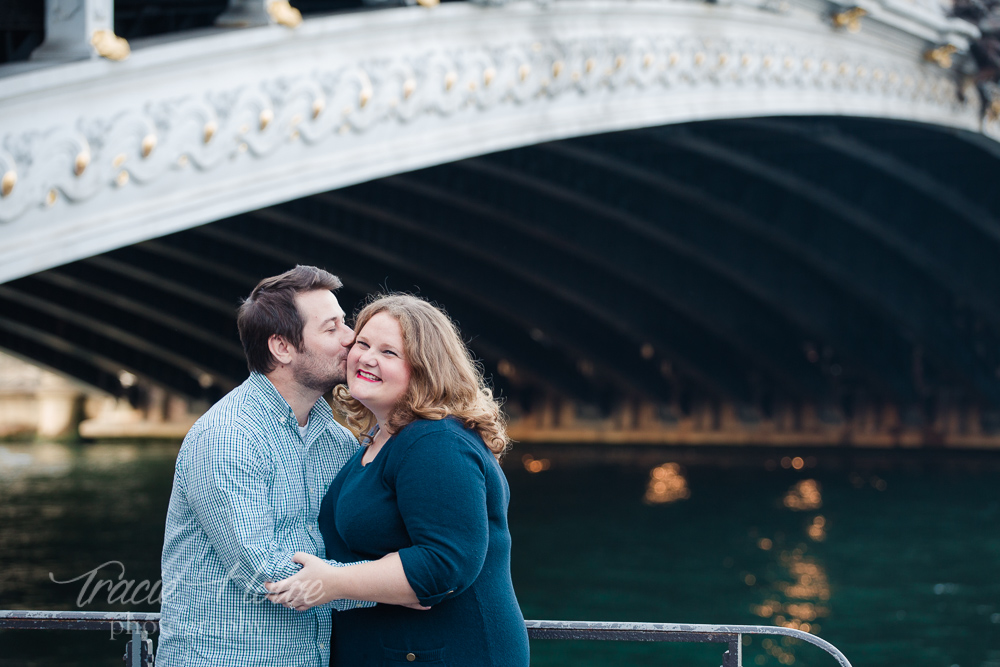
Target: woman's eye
<point>390,352</point>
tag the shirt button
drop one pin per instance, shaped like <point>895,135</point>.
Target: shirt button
<point>281,419</point>
<point>322,645</point>
<point>410,657</point>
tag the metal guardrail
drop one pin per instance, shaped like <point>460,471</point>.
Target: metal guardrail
<point>139,650</point>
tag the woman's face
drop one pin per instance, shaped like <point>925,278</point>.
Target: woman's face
<point>377,373</point>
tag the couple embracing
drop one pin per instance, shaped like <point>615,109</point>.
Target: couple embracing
<point>290,543</point>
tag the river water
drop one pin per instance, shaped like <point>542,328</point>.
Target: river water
<point>893,556</point>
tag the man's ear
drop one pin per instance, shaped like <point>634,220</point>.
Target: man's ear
<point>281,349</point>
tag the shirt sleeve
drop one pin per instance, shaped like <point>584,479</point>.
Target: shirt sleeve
<point>229,491</point>
<point>441,495</point>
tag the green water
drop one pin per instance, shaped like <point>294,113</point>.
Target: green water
<point>892,556</point>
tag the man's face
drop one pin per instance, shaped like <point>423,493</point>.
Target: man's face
<point>320,362</point>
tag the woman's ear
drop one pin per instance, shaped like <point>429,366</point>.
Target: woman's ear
<point>281,349</point>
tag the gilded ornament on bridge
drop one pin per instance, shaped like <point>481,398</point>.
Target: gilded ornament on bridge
<point>8,182</point>
<point>264,119</point>
<point>148,144</point>
<point>81,162</point>
<point>282,13</point>
<point>317,108</point>
<point>385,90</point>
<point>941,56</point>
<point>110,46</point>
<point>850,19</point>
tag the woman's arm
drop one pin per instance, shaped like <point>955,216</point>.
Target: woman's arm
<point>441,494</point>
<point>317,583</point>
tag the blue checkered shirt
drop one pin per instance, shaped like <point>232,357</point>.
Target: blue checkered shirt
<point>246,496</point>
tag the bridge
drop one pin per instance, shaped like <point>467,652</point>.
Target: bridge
<point>748,221</point>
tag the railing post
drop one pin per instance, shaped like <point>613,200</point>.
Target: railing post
<point>253,13</point>
<point>139,650</point>
<point>80,30</point>
<point>733,657</point>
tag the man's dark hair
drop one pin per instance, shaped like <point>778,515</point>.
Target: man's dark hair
<point>270,310</point>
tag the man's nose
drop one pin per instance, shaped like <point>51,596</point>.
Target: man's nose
<point>349,340</point>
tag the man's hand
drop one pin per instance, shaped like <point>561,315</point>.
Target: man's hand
<point>311,586</point>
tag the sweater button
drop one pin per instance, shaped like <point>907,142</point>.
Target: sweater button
<point>410,657</point>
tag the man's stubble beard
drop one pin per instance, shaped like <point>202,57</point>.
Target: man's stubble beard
<point>306,375</point>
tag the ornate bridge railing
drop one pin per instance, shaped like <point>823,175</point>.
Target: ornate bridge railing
<point>139,650</point>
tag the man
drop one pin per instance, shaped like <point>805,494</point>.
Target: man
<point>248,483</point>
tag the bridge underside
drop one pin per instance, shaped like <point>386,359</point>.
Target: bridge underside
<point>777,271</point>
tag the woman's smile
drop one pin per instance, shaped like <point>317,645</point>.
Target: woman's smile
<point>378,374</point>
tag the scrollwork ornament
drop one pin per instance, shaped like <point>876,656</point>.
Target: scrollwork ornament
<point>254,121</point>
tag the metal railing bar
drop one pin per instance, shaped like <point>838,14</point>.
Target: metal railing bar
<point>656,630</point>
<point>586,630</point>
<point>77,620</point>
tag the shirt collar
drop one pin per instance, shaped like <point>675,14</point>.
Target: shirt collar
<point>320,413</point>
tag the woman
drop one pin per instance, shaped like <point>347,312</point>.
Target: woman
<point>425,498</point>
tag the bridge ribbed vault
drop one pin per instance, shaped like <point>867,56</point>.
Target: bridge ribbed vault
<point>814,260</point>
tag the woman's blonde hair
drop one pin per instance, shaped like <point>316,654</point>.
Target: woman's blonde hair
<point>445,381</point>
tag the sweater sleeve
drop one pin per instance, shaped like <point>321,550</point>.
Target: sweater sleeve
<point>441,495</point>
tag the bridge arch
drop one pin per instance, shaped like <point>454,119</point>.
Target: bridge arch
<point>646,201</point>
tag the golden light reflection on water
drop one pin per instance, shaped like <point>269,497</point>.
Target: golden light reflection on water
<point>666,485</point>
<point>798,599</point>
<point>804,496</point>
<point>798,603</point>
<point>817,529</point>
<point>533,465</point>
<point>780,649</point>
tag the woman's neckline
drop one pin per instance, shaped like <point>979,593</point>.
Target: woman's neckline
<point>379,452</point>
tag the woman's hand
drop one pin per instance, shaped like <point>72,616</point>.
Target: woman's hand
<point>311,586</point>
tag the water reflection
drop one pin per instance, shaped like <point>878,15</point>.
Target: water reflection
<point>796,602</point>
<point>799,594</point>
<point>817,529</point>
<point>666,485</point>
<point>533,465</point>
<point>40,459</point>
<point>804,496</point>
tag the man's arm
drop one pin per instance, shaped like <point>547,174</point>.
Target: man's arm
<point>229,490</point>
